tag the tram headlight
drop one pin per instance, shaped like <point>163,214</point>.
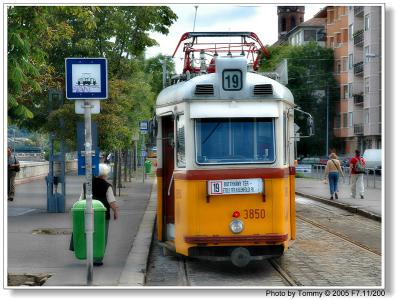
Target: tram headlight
<point>236,226</point>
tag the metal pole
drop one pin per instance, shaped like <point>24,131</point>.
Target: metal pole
<point>164,67</point>
<point>327,121</point>
<point>142,155</point>
<point>89,207</point>
<point>115,170</point>
<point>195,15</point>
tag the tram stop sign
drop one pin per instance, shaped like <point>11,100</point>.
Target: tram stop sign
<point>86,78</point>
<point>144,127</point>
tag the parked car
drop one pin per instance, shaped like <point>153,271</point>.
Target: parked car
<point>309,161</point>
<point>373,158</point>
<point>323,160</point>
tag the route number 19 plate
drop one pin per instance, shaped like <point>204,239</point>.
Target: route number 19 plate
<point>235,186</point>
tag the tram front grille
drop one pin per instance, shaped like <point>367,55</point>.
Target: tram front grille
<point>263,89</point>
<point>204,89</point>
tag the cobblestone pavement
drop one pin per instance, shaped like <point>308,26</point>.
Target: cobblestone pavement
<point>345,255</point>
<point>180,271</point>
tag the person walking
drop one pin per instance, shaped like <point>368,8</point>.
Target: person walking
<point>102,191</point>
<point>13,168</point>
<point>357,168</point>
<point>332,171</point>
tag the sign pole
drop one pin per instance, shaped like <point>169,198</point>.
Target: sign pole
<point>89,208</point>
<point>143,149</point>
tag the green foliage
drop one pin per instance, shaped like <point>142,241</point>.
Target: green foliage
<point>310,72</point>
<point>41,37</point>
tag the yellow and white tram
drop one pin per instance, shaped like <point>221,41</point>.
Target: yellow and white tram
<point>226,175</point>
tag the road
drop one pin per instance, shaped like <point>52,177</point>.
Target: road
<point>334,248</point>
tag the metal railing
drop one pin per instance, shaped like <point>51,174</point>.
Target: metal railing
<point>358,129</point>
<point>358,38</point>
<point>358,68</point>
<point>372,177</point>
<point>358,10</point>
<point>358,99</point>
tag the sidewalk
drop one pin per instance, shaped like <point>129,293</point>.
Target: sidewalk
<point>34,250</point>
<point>370,206</point>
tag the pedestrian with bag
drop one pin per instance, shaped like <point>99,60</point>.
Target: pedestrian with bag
<point>332,171</point>
<point>102,191</point>
<point>357,168</point>
<point>13,168</point>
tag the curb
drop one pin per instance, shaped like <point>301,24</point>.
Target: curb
<point>344,206</point>
<point>134,272</point>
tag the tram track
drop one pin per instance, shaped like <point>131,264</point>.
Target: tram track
<point>338,234</point>
<point>183,277</point>
<point>284,274</point>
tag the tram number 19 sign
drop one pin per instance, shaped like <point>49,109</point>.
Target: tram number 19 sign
<point>86,78</point>
<point>235,186</point>
<point>232,80</point>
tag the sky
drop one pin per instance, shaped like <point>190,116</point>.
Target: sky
<point>262,19</point>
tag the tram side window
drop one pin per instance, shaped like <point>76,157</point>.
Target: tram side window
<point>180,142</point>
<point>235,140</point>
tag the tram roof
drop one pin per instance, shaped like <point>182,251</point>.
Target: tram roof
<point>207,87</point>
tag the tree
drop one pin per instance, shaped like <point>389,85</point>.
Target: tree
<point>311,81</point>
<point>36,65</point>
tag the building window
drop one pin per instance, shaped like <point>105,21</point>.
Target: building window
<point>309,35</point>
<point>366,22</point>
<point>338,67</point>
<point>366,54</point>
<point>345,35</point>
<point>345,91</point>
<point>331,39</point>
<point>336,121</point>
<point>350,119</point>
<point>350,90</point>
<point>350,32</point>
<point>292,23</point>
<point>344,64</point>
<point>283,24</point>
<point>345,121</point>
<point>321,35</point>
<point>366,85</point>
<point>330,17</point>
<point>350,61</point>
<point>366,116</point>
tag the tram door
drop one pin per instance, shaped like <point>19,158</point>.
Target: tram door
<point>168,166</point>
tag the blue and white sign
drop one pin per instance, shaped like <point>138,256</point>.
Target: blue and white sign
<point>143,126</point>
<point>86,78</point>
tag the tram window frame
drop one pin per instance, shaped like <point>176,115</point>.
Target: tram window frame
<point>180,147</point>
<point>285,141</point>
<point>230,144</point>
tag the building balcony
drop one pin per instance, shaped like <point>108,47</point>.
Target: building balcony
<point>358,99</point>
<point>359,11</point>
<point>358,68</point>
<point>358,129</point>
<point>358,38</point>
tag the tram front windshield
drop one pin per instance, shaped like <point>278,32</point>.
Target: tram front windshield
<point>235,140</point>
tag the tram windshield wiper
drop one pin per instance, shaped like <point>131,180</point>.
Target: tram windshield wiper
<point>210,134</point>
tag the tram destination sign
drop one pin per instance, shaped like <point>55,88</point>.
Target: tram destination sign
<point>235,186</point>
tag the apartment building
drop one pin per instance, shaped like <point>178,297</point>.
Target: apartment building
<point>354,34</point>
<point>364,78</point>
